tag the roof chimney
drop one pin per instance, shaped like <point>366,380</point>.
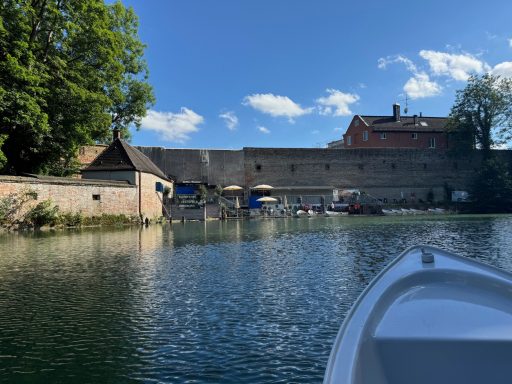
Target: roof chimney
<point>116,134</point>
<point>396,112</point>
<point>415,117</point>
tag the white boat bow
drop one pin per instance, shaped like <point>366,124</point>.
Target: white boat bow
<point>429,317</point>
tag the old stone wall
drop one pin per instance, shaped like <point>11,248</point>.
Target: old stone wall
<point>212,166</point>
<point>89,197</point>
<point>383,172</point>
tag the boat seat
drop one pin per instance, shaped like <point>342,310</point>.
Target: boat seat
<point>446,332</point>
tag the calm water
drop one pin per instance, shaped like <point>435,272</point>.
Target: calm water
<point>257,301</point>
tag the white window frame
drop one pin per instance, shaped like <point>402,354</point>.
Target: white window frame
<point>383,136</point>
<point>432,142</point>
<point>365,135</point>
<point>414,136</point>
<point>349,140</point>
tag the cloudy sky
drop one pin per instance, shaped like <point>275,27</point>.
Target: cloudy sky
<point>291,73</point>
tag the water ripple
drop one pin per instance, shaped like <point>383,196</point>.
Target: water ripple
<point>257,301</point>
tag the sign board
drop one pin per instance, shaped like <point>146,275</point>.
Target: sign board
<point>460,196</point>
<point>187,201</point>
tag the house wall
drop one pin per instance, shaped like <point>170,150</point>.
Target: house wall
<point>393,139</point>
<point>75,195</point>
<point>151,200</point>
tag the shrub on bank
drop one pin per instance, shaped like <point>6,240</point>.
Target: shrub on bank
<point>44,213</point>
<point>14,214</point>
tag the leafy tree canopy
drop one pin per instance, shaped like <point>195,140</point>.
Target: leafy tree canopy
<point>70,70</point>
<point>482,114</point>
<point>491,191</point>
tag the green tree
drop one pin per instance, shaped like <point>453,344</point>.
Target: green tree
<point>482,114</point>
<point>491,191</point>
<point>70,70</point>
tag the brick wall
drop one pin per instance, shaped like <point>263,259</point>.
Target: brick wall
<point>88,153</point>
<point>392,139</point>
<point>72,195</point>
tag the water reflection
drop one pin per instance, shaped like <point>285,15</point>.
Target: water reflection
<point>242,301</point>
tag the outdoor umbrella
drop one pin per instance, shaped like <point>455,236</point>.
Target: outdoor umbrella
<point>266,199</point>
<point>263,187</point>
<point>232,188</point>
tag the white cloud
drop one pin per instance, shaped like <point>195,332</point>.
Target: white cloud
<point>338,129</point>
<point>174,127</point>
<point>263,130</point>
<point>456,66</point>
<point>337,103</point>
<point>315,132</point>
<point>275,105</point>
<point>420,86</point>
<point>230,119</point>
<point>503,69</point>
<point>510,43</point>
<point>383,62</point>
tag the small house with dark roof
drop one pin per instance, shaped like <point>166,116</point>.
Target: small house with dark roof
<point>396,131</point>
<point>122,162</point>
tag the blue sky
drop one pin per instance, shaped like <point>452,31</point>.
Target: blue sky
<point>292,73</point>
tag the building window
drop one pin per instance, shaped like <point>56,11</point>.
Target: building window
<point>258,167</point>
<point>327,167</point>
<point>414,136</point>
<point>96,197</point>
<point>365,136</point>
<point>349,140</point>
<point>356,122</point>
<point>383,136</point>
<point>292,167</point>
<point>432,142</point>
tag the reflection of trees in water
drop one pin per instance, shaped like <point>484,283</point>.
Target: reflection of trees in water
<point>73,303</point>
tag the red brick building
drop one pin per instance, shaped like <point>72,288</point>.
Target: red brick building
<point>396,131</point>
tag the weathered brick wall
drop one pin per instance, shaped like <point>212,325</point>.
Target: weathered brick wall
<point>151,203</point>
<point>72,195</point>
<point>88,153</point>
<point>212,166</point>
<point>383,172</point>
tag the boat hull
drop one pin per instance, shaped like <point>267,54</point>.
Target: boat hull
<point>446,321</point>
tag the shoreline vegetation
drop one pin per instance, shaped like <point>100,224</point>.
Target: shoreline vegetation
<point>18,212</point>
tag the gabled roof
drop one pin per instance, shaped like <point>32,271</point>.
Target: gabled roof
<point>121,156</point>
<point>406,123</point>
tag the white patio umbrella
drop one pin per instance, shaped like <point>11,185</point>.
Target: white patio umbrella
<point>263,187</point>
<point>232,188</point>
<point>266,199</point>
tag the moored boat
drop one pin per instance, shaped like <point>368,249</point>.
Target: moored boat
<point>429,317</point>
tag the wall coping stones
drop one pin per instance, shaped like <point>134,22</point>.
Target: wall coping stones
<point>39,179</point>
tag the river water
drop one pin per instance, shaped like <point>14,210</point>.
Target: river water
<point>223,302</point>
